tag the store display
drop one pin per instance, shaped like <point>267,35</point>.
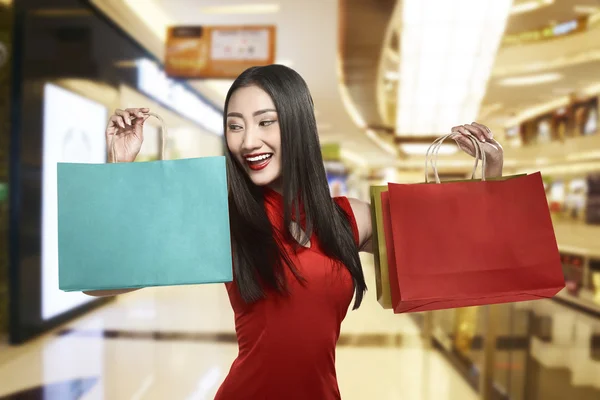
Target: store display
<point>579,118</point>
<point>556,197</point>
<point>337,184</point>
<point>545,133</point>
<point>107,244</point>
<point>594,280</point>
<point>593,184</point>
<point>573,272</point>
<point>73,132</point>
<point>586,117</point>
<point>560,123</point>
<point>592,209</point>
<point>575,199</point>
<point>465,329</point>
<point>513,136</point>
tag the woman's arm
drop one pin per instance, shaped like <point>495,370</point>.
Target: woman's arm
<point>362,214</point>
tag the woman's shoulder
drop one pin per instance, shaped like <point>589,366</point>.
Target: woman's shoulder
<point>358,207</point>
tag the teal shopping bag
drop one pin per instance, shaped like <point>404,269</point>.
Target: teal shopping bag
<point>134,225</point>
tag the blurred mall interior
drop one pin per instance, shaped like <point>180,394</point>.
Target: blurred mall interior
<point>387,77</point>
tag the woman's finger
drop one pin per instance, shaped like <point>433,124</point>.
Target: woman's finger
<point>138,112</point>
<point>117,120</point>
<point>138,121</point>
<point>461,130</point>
<point>465,145</point>
<point>126,116</point>
<point>476,131</point>
<point>485,129</point>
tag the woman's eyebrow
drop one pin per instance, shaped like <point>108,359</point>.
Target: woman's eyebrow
<point>255,113</point>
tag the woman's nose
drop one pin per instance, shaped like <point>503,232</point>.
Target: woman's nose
<point>251,141</point>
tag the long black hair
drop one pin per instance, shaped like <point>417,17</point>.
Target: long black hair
<point>259,260</point>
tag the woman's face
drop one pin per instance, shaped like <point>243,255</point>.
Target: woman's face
<point>253,135</point>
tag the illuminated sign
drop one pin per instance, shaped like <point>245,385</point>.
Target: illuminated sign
<point>154,82</point>
<point>547,33</point>
<point>217,51</point>
<point>73,132</point>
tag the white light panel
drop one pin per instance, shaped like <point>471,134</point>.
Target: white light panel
<point>447,52</point>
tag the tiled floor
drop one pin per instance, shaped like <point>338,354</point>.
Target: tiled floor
<point>178,343</point>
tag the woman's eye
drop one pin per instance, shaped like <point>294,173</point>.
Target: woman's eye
<point>234,127</point>
<point>266,123</point>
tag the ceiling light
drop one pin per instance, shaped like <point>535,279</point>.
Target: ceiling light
<point>220,86</point>
<point>349,105</point>
<point>153,16</point>
<point>586,9</point>
<point>391,75</point>
<point>353,157</point>
<point>241,9</point>
<point>563,91</point>
<point>531,79</point>
<point>287,63</point>
<point>490,109</point>
<point>528,6</point>
<point>381,143</point>
<point>444,64</point>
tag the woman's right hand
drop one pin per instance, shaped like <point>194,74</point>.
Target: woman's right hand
<point>125,134</point>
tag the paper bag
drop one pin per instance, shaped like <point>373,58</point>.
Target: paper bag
<point>131,225</point>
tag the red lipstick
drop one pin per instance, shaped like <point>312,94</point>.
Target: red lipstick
<point>256,162</point>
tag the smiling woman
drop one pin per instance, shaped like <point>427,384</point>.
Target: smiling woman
<point>296,263</point>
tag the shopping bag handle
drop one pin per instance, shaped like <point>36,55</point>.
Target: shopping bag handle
<point>163,138</point>
<point>435,147</point>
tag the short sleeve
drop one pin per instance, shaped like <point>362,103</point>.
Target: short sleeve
<point>345,204</point>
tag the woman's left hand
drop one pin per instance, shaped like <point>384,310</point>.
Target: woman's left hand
<point>494,153</point>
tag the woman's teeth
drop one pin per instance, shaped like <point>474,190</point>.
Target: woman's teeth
<point>259,158</point>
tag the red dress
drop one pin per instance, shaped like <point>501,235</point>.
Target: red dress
<point>287,343</point>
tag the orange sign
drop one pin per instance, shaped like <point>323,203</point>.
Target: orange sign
<point>217,51</point>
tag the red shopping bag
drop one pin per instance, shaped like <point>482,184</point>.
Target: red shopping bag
<point>470,243</point>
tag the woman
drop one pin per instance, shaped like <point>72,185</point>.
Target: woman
<point>296,263</point>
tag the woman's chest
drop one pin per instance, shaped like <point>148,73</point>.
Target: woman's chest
<point>321,278</point>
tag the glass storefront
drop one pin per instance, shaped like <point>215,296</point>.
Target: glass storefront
<point>76,67</point>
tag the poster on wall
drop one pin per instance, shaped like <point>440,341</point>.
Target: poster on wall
<point>73,131</point>
<point>217,51</point>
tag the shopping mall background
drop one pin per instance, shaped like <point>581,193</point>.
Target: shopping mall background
<point>387,77</point>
